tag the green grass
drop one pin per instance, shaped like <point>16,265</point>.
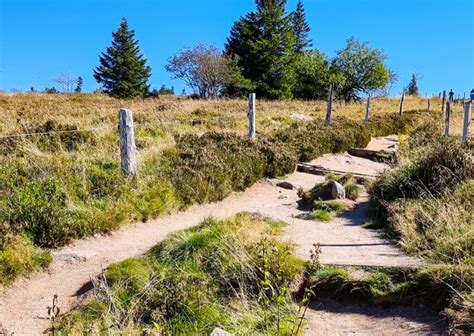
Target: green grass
<point>65,186</point>
<point>228,274</point>
<point>324,211</point>
<point>426,205</point>
<point>19,258</point>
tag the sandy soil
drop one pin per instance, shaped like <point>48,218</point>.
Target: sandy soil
<point>327,317</point>
<point>23,306</point>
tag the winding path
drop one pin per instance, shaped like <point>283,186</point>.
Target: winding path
<point>23,306</point>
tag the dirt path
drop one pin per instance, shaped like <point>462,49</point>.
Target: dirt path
<point>328,317</point>
<point>23,306</point>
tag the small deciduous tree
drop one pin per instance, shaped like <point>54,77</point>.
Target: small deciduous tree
<point>203,68</point>
<point>50,90</point>
<point>363,69</point>
<point>123,70</point>
<point>312,75</point>
<point>66,81</point>
<point>412,88</point>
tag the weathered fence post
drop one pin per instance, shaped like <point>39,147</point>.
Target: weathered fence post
<point>443,102</point>
<point>251,114</point>
<point>401,104</point>
<point>329,110</point>
<point>447,118</point>
<point>467,121</point>
<point>429,104</point>
<point>128,150</point>
<point>367,110</point>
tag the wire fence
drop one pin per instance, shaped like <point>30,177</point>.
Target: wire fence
<point>97,129</point>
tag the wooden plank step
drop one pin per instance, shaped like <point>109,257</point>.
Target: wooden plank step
<point>321,171</point>
<point>373,155</point>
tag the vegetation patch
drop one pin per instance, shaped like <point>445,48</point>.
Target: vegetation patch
<point>397,286</point>
<point>70,185</point>
<point>324,211</point>
<point>426,204</point>
<point>213,275</point>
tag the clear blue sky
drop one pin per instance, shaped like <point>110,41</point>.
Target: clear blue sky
<point>40,39</point>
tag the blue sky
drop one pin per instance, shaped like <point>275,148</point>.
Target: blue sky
<point>40,39</point>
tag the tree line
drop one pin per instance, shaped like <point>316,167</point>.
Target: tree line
<point>268,52</point>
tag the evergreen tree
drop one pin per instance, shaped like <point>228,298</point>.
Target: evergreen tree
<point>78,88</point>
<point>123,71</point>
<point>412,88</point>
<point>301,29</point>
<point>262,44</point>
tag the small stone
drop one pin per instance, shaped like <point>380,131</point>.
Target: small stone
<point>288,185</point>
<point>300,117</point>
<point>338,191</point>
<point>220,332</point>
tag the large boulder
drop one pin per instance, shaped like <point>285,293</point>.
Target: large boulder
<point>337,190</point>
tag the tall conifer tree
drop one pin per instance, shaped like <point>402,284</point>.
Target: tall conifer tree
<point>123,71</point>
<point>412,88</point>
<point>301,29</point>
<point>262,44</point>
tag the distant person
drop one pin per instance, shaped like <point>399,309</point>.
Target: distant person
<point>472,95</point>
<point>451,95</point>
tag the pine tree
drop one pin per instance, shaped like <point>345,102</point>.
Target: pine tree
<point>412,88</point>
<point>78,88</point>
<point>301,29</point>
<point>262,44</point>
<point>123,71</point>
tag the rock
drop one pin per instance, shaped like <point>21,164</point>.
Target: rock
<point>300,117</point>
<point>285,184</point>
<point>220,332</point>
<point>338,191</point>
<point>288,185</point>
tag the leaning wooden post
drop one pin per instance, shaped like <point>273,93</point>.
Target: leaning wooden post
<point>329,110</point>
<point>401,105</point>
<point>467,121</point>
<point>443,102</point>
<point>128,150</point>
<point>447,118</point>
<point>251,114</point>
<point>429,104</point>
<point>367,110</point>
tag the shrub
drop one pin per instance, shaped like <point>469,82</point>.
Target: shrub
<point>21,257</point>
<point>215,274</point>
<point>352,191</point>
<point>443,166</point>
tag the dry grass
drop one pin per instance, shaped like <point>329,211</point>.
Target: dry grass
<point>93,110</point>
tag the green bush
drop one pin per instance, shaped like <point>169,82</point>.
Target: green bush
<point>21,257</point>
<point>212,275</point>
<point>442,166</point>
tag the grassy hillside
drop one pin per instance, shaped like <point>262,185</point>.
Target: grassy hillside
<point>60,186</point>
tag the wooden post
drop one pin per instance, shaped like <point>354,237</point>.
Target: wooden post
<point>467,121</point>
<point>128,150</point>
<point>251,114</point>
<point>429,104</point>
<point>401,104</point>
<point>447,118</point>
<point>329,110</point>
<point>443,102</point>
<point>367,110</point>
